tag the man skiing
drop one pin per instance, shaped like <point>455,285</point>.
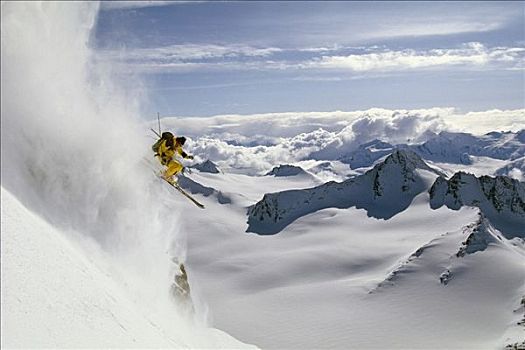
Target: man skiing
<point>165,149</point>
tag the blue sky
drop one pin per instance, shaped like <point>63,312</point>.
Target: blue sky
<point>209,58</point>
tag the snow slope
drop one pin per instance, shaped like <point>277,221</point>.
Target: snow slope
<point>91,239</point>
<point>56,296</point>
<point>336,277</point>
<point>325,280</point>
<point>91,247</point>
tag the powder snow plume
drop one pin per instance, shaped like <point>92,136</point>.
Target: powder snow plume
<point>73,146</point>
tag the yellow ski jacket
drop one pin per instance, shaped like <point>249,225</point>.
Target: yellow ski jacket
<point>166,153</point>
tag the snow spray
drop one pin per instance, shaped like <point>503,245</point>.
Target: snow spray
<point>72,145</point>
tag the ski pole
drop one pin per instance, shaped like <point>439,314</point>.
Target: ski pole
<point>155,132</point>
<point>158,118</point>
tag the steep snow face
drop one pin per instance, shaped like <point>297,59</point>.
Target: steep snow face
<point>458,147</point>
<point>56,296</point>
<point>72,147</point>
<point>500,198</point>
<point>383,191</point>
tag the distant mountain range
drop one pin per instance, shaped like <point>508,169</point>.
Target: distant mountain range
<point>389,188</point>
<point>447,147</point>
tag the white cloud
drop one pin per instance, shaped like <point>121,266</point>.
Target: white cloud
<point>471,54</point>
<point>259,142</point>
<point>191,57</point>
<point>119,5</point>
<point>434,26</point>
<point>486,121</point>
<point>517,174</point>
<point>187,52</point>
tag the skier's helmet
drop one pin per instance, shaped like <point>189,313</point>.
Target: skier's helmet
<point>166,135</point>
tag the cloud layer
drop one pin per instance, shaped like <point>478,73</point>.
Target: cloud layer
<point>470,55</point>
<point>178,58</point>
<point>257,143</point>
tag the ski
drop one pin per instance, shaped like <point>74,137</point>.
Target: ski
<point>178,188</point>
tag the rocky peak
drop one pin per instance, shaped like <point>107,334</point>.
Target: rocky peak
<point>207,167</point>
<point>500,198</point>
<point>479,235</point>
<point>407,159</point>
<point>286,170</point>
<point>383,191</point>
<point>398,169</point>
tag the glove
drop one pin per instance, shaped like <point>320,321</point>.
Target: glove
<point>189,157</point>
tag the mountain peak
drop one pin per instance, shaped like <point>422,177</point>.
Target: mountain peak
<point>207,167</point>
<point>407,159</point>
<point>383,191</point>
<point>286,170</point>
<point>500,198</point>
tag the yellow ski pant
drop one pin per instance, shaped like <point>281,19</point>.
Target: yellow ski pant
<point>174,168</point>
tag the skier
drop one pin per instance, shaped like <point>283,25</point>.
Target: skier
<point>165,149</point>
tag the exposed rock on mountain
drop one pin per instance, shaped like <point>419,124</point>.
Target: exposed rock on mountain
<point>383,191</point>
<point>287,170</point>
<point>500,198</point>
<point>479,235</point>
<point>207,167</point>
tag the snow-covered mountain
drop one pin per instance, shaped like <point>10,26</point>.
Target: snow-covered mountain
<point>408,279</point>
<point>383,191</point>
<point>207,167</point>
<point>406,251</point>
<point>479,235</point>
<point>287,170</point>
<point>500,198</point>
<point>447,147</point>
<point>451,147</point>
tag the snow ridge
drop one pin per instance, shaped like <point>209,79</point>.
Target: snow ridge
<point>383,191</point>
<point>471,238</point>
<point>480,235</point>
<point>500,198</point>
